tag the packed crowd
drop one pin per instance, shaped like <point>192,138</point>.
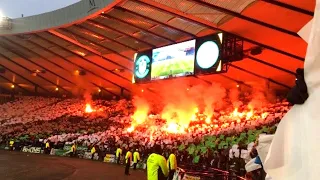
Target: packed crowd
<point>207,141</point>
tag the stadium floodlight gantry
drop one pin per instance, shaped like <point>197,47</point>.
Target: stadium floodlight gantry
<point>100,37</point>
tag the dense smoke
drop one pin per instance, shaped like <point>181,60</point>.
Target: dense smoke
<point>142,110</point>
<point>234,97</point>
<point>181,103</point>
<point>213,97</point>
<point>258,100</point>
<point>87,97</point>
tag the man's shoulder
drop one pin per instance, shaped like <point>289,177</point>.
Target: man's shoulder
<point>153,155</point>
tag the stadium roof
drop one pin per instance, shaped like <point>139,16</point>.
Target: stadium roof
<point>102,36</point>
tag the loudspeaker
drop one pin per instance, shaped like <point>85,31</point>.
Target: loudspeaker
<point>256,51</point>
<point>82,72</point>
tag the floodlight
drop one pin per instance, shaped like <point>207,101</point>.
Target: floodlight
<point>5,22</point>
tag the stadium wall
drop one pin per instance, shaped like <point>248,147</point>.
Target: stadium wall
<point>69,15</point>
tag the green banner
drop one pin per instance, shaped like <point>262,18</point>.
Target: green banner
<point>79,148</point>
<point>60,152</point>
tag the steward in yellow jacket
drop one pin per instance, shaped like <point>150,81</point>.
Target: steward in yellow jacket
<point>118,154</point>
<point>11,143</point>
<point>47,149</point>
<point>128,162</point>
<point>172,165</point>
<point>157,168</point>
<point>47,144</point>
<point>73,150</point>
<point>136,159</point>
<point>93,151</point>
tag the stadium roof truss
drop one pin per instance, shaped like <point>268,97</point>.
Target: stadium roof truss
<point>103,44</point>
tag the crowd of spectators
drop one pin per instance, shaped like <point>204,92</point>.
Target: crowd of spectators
<point>229,134</point>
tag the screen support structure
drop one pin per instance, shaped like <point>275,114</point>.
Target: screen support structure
<point>232,50</point>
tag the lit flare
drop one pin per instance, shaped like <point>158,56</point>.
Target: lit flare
<point>130,129</point>
<point>88,108</point>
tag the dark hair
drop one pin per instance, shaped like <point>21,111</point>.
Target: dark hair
<point>300,72</point>
<point>253,153</point>
<point>157,149</point>
<point>299,93</point>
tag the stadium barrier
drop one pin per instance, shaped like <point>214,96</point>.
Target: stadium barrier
<point>109,158</point>
<point>196,172</point>
<point>58,152</point>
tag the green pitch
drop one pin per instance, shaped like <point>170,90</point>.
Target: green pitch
<point>172,67</point>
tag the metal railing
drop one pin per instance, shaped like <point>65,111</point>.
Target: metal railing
<point>210,173</point>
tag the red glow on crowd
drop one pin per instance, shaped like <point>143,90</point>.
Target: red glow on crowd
<point>174,128</point>
<point>200,109</point>
<point>89,109</point>
<point>175,125</point>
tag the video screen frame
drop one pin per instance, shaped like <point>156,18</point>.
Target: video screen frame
<point>167,63</point>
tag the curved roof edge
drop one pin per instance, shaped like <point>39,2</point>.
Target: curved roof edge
<point>69,15</point>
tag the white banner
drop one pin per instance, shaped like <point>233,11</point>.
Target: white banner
<point>36,150</point>
<point>88,155</point>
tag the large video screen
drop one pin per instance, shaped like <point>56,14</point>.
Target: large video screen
<point>173,61</point>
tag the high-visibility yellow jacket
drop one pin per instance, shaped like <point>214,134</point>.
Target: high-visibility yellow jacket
<point>11,143</point>
<point>156,164</point>
<point>136,157</point>
<point>172,162</point>
<point>47,145</point>
<point>73,148</point>
<point>118,152</point>
<point>93,150</point>
<point>128,157</point>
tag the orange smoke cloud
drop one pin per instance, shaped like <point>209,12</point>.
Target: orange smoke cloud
<point>181,114</point>
<point>87,97</point>
<point>181,105</point>
<point>213,98</point>
<point>234,97</point>
<point>141,113</point>
<point>258,100</point>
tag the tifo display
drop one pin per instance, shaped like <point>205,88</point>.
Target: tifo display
<point>198,134</point>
